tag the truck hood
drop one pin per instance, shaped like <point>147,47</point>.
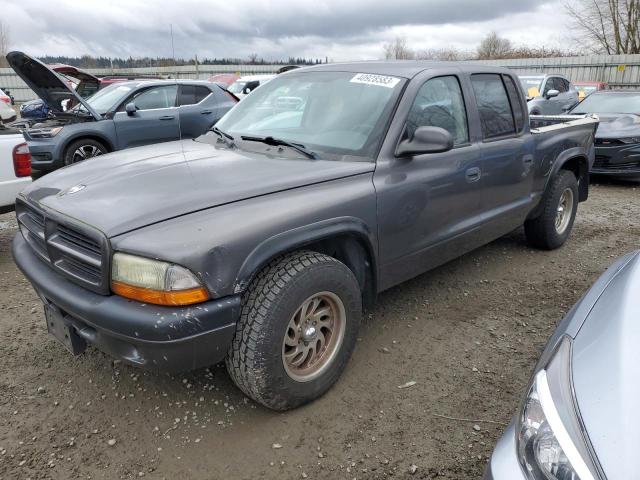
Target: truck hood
<point>130,189</point>
<point>46,83</point>
<point>606,369</point>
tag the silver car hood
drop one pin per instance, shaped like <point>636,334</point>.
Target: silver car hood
<point>606,373</point>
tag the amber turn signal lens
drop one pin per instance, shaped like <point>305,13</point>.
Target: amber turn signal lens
<point>157,297</point>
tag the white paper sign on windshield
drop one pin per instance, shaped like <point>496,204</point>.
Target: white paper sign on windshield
<point>374,79</point>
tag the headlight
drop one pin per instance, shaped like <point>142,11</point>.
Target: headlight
<point>44,132</point>
<point>153,281</point>
<point>630,140</point>
<point>551,442</point>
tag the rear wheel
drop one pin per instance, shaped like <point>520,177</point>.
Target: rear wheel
<point>82,149</point>
<point>297,329</point>
<point>552,227</point>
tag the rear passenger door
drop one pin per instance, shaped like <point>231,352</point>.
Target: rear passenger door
<point>154,121</point>
<point>198,110</point>
<point>506,151</point>
<point>428,204</point>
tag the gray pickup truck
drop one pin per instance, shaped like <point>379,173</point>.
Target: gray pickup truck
<point>261,242</point>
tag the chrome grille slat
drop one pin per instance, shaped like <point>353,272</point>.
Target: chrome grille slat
<point>78,252</point>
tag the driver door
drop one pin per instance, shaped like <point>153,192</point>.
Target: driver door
<point>155,120</point>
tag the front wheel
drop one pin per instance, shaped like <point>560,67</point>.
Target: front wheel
<point>297,329</point>
<point>552,227</point>
<point>83,149</point>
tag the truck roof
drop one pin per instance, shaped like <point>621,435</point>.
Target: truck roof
<point>402,68</point>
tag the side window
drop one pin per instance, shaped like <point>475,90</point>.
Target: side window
<point>156,97</point>
<point>516,102</point>
<point>192,94</point>
<point>493,105</point>
<point>549,85</point>
<point>567,85</point>
<point>439,103</point>
<point>561,85</point>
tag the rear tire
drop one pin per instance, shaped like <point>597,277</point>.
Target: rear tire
<point>83,149</point>
<point>552,227</point>
<point>297,329</point>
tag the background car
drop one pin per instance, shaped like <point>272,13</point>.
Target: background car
<point>579,416</point>
<point>548,94</point>
<point>15,167</point>
<point>587,88</point>
<point>618,135</point>
<point>245,85</point>
<point>7,113</point>
<point>224,79</point>
<point>122,115</point>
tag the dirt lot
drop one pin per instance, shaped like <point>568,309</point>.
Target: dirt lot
<point>467,333</point>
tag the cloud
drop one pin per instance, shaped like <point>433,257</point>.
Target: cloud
<point>345,29</point>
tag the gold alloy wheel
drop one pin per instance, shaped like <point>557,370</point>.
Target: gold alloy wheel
<point>314,336</point>
<point>564,211</point>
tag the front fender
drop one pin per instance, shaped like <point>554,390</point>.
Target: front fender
<point>298,238</point>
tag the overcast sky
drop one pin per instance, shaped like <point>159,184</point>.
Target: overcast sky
<point>274,29</point>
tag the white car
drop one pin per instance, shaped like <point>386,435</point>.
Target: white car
<point>7,113</point>
<point>15,167</point>
<point>245,85</point>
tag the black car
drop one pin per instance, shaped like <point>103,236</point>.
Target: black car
<point>618,135</point>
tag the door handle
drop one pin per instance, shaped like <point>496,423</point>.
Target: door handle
<point>206,112</point>
<point>167,117</point>
<point>473,174</point>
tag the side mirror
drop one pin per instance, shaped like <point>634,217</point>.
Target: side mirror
<point>246,90</point>
<point>426,140</point>
<point>130,108</point>
<point>552,93</point>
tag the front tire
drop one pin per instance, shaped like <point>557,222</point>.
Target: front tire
<point>83,149</point>
<point>297,329</point>
<point>552,227</point>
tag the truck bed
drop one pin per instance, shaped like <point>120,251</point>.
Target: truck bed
<point>547,123</point>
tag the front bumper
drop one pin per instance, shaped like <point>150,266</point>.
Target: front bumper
<point>46,153</point>
<point>168,339</point>
<point>504,463</point>
<point>622,161</point>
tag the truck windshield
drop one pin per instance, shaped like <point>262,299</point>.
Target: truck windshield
<point>628,103</point>
<point>329,113</point>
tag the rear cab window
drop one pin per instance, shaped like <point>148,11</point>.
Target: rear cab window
<point>494,107</point>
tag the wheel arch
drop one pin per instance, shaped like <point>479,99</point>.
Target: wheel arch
<point>90,136</point>
<point>347,239</point>
<point>578,164</point>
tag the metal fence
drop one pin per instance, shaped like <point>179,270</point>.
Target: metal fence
<point>619,71</point>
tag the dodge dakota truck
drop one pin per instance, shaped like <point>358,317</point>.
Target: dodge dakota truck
<point>260,242</point>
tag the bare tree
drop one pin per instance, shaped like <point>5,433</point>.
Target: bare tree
<point>253,58</point>
<point>609,26</point>
<point>5,43</point>
<point>397,49</point>
<point>446,54</point>
<point>493,46</point>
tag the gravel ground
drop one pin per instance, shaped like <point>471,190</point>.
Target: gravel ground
<point>467,333</point>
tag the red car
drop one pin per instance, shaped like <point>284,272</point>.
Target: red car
<point>587,88</point>
<point>224,79</point>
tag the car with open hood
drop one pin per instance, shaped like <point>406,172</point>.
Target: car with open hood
<point>261,242</point>
<point>618,135</point>
<point>121,115</point>
<point>578,419</point>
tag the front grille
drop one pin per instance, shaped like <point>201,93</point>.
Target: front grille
<point>603,162</point>
<point>77,251</point>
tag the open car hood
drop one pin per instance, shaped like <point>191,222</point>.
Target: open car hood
<point>46,83</point>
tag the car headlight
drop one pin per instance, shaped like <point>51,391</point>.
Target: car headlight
<point>44,132</point>
<point>551,442</point>
<point>154,281</point>
<point>630,140</point>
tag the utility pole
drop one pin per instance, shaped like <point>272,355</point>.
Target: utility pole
<point>173,51</point>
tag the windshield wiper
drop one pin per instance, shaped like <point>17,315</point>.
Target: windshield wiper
<point>226,138</point>
<point>278,142</point>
